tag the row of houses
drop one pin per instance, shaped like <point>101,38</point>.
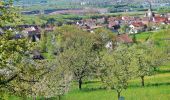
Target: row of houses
<point>134,24</point>
<point>32,32</point>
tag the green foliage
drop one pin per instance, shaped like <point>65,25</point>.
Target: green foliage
<point>103,36</point>
<point>164,10</point>
<point>142,61</point>
<point>21,75</point>
<point>118,68</point>
<point>56,82</point>
<point>50,45</point>
<point>124,29</point>
<point>9,14</point>
<point>78,54</point>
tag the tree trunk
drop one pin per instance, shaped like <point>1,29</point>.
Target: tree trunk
<point>34,98</point>
<point>59,97</point>
<point>118,94</point>
<point>142,81</point>
<point>80,84</point>
<point>155,69</point>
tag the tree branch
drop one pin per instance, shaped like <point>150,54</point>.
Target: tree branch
<point>8,80</point>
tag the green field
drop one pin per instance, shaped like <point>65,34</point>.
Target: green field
<point>157,88</point>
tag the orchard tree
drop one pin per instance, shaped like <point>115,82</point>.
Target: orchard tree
<point>19,73</point>
<point>78,54</point>
<point>148,59</point>
<point>11,50</point>
<point>118,68</point>
<point>56,82</point>
<point>158,57</point>
<point>103,36</point>
<point>143,61</point>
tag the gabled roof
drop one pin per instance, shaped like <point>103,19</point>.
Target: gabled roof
<point>128,18</point>
<point>32,29</point>
<point>111,24</point>
<point>160,19</point>
<point>138,24</point>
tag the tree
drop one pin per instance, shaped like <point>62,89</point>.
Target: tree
<point>158,57</point>
<point>123,29</point>
<point>50,45</point>
<point>19,74</point>
<point>143,61</point>
<point>103,36</point>
<point>51,21</point>
<point>164,10</point>
<point>117,68</point>
<point>78,54</point>
<point>11,50</point>
<point>56,82</point>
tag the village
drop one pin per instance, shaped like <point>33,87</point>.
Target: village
<point>123,26</point>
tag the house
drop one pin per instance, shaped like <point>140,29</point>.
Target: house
<point>123,38</point>
<point>18,36</point>
<point>90,22</point>
<point>109,45</point>
<point>127,19</point>
<point>168,16</point>
<point>160,20</point>
<point>137,27</point>
<point>101,20</point>
<point>114,25</point>
<point>110,19</point>
<point>79,23</point>
<point>37,55</point>
<point>33,33</point>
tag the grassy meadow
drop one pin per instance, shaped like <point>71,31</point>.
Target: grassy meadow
<point>157,87</point>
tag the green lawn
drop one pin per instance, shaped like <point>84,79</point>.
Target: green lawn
<point>143,36</point>
<point>159,37</point>
<point>134,93</point>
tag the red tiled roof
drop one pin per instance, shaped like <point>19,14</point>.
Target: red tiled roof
<point>160,19</point>
<point>111,24</point>
<point>138,24</point>
<point>124,38</point>
<point>127,18</point>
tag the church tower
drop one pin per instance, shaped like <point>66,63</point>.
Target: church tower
<point>150,14</point>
